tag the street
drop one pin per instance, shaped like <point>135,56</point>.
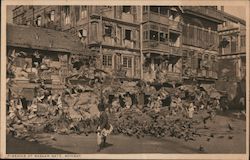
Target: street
<point>217,139</point>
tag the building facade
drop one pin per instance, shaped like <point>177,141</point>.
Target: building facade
<point>154,43</point>
<point>232,57</point>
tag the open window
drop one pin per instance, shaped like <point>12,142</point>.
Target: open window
<point>126,9</point>
<point>82,33</point>
<point>39,21</point>
<point>153,35</point>
<point>83,12</point>
<point>163,37</point>
<point>66,11</point>
<point>145,9</point>
<point>127,34</point>
<point>52,16</point>
<point>108,30</point>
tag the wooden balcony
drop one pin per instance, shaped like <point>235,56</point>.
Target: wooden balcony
<point>205,12</point>
<point>163,19</point>
<point>165,48</point>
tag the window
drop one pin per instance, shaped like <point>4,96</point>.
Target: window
<point>163,37</point>
<point>67,20</point>
<point>154,35</point>
<point>39,21</point>
<point>127,34</point>
<point>164,10</point>
<point>67,14</point>
<point>233,44</point>
<point>82,33</point>
<point>145,35</point>
<point>66,10</point>
<point>154,9</point>
<point>243,40</point>
<point>77,13</point>
<point>107,60</point>
<point>145,9</point>
<point>127,62</point>
<point>126,9</point>
<point>108,30</point>
<point>83,12</point>
<point>52,16</point>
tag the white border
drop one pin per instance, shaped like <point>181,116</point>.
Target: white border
<point>116,2</point>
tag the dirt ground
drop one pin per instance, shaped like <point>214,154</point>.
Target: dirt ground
<point>218,138</point>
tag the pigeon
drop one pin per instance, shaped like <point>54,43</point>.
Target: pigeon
<point>230,127</point>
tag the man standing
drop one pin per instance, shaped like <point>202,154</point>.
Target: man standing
<point>104,128</point>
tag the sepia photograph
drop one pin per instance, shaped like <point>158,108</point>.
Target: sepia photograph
<point>125,79</point>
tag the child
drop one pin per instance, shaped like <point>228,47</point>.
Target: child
<point>104,128</point>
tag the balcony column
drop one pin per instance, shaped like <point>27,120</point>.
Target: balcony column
<point>239,43</point>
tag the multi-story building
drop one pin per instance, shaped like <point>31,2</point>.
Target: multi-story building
<point>113,31</point>
<point>232,57</point>
<point>201,43</point>
<point>232,34</point>
<point>181,43</point>
<point>154,43</point>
